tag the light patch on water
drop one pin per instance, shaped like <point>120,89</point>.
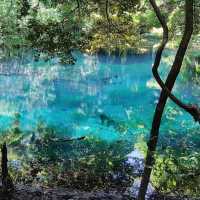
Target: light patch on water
<point>8,109</point>
<point>152,84</point>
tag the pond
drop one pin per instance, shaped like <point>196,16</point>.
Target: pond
<point>109,98</point>
<point>74,97</point>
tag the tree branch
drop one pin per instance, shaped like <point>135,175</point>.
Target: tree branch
<point>109,20</point>
<point>79,9</point>
<point>171,79</point>
<point>110,23</point>
<point>107,14</point>
<point>194,110</point>
<point>7,183</point>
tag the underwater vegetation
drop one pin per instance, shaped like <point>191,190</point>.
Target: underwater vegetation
<point>42,157</point>
<point>82,164</point>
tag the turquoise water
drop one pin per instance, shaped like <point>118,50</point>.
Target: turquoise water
<point>73,97</point>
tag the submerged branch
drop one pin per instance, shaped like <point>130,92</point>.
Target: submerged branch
<point>66,139</point>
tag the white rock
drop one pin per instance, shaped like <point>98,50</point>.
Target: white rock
<point>136,161</point>
<point>135,154</point>
<point>134,189</point>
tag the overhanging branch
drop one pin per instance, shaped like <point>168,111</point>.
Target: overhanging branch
<point>194,110</point>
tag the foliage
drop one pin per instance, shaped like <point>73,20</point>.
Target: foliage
<point>55,28</point>
<point>87,164</point>
<point>177,164</point>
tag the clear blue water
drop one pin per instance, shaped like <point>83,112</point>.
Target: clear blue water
<point>72,98</point>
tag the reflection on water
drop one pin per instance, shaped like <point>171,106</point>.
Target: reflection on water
<point>74,97</point>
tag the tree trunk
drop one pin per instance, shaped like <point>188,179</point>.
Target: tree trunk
<point>172,76</point>
<point>7,183</point>
<point>4,161</point>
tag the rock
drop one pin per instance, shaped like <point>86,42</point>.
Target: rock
<point>133,190</point>
<point>136,161</point>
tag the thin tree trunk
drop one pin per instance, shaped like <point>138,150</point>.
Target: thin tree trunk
<point>7,183</point>
<point>4,160</point>
<point>172,76</point>
<point>192,109</point>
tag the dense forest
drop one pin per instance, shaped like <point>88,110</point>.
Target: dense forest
<point>99,99</point>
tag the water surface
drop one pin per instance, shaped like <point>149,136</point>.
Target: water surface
<point>74,97</point>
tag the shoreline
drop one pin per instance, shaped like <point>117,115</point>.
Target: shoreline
<point>27,192</point>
